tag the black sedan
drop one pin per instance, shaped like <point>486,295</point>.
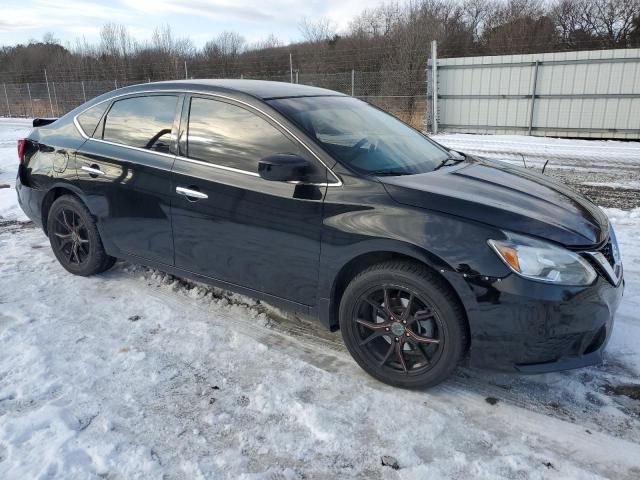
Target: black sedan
<point>317,202</point>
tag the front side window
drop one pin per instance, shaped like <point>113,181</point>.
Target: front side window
<point>361,136</point>
<point>143,122</point>
<point>231,136</point>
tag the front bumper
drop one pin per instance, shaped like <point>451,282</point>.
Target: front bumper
<point>532,327</point>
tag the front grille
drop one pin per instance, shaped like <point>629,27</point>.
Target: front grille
<point>604,261</point>
<point>607,251</point>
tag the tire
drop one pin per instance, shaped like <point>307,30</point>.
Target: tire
<point>74,238</point>
<point>403,324</point>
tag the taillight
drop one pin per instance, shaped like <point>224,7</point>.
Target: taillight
<point>21,144</point>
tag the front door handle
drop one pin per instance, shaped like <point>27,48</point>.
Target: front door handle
<point>187,192</point>
<point>92,170</point>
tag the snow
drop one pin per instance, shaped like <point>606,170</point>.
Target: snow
<point>515,146</point>
<point>207,384</point>
<point>10,131</point>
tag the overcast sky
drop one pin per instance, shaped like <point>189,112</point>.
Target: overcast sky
<point>22,20</point>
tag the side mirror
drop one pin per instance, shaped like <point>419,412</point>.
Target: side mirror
<point>285,167</point>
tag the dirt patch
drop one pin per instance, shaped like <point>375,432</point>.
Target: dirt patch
<point>13,225</point>
<point>628,390</point>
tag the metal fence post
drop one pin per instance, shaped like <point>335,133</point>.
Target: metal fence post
<point>353,82</point>
<point>434,86</point>
<point>6,97</point>
<point>55,98</point>
<point>533,95</point>
<point>84,93</point>
<point>46,79</point>
<point>291,66</point>
<point>33,115</point>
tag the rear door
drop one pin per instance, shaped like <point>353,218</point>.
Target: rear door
<point>125,172</point>
<point>238,227</point>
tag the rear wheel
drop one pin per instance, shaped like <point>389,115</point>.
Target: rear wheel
<point>402,324</point>
<point>74,238</point>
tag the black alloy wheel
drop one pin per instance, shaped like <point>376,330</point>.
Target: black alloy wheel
<point>71,236</point>
<point>74,238</point>
<point>403,324</point>
<point>399,329</point>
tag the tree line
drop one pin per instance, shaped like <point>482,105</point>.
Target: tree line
<point>391,37</point>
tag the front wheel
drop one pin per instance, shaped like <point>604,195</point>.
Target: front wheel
<point>402,324</point>
<point>74,238</point>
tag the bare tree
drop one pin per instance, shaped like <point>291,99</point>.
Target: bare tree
<point>317,31</point>
<point>226,44</point>
<point>611,20</point>
<point>268,43</point>
<point>475,14</point>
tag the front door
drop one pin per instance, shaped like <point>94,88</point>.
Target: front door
<point>231,225</point>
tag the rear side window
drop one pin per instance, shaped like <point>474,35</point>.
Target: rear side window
<point>89,119</point>
<point>143,122</point>
<point>228,135</point>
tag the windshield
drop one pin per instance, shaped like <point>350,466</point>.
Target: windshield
<point>362,137</point>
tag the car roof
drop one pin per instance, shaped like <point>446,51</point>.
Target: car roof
<point>262,89</point>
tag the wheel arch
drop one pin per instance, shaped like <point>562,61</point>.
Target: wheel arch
<point>55,192</point>
<point>363,260</point>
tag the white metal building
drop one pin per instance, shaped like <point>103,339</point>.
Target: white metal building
<point>567,94</point>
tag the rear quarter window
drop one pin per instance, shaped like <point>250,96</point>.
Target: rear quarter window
<point>89,119</point>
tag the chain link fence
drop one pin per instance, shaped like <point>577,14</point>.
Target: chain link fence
<point>402,94</point>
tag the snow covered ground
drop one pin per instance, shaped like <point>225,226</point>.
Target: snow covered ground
<point>137,374</point>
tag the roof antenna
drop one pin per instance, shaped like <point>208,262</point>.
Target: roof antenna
<point>545,166</point>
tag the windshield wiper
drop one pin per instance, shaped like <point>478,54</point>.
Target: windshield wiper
<point>391,172</point>
<point>447,162</point>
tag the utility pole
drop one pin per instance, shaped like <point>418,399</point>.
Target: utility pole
<point>434,86</point>
<point>84,93</point>
<point>46,79</point>
<point>291,66</point>
<point>186,74</point>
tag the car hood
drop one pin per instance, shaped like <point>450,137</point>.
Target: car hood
<point>507,197</point>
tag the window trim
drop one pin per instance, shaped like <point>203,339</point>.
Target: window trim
<point>337,183</point>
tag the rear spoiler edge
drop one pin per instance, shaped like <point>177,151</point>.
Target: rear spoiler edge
<point>41,122</point>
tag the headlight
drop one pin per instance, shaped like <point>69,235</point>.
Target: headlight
<point>542,261</point>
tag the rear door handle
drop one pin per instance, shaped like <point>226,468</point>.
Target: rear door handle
<point>187,192</point>
<point>92,170</point>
